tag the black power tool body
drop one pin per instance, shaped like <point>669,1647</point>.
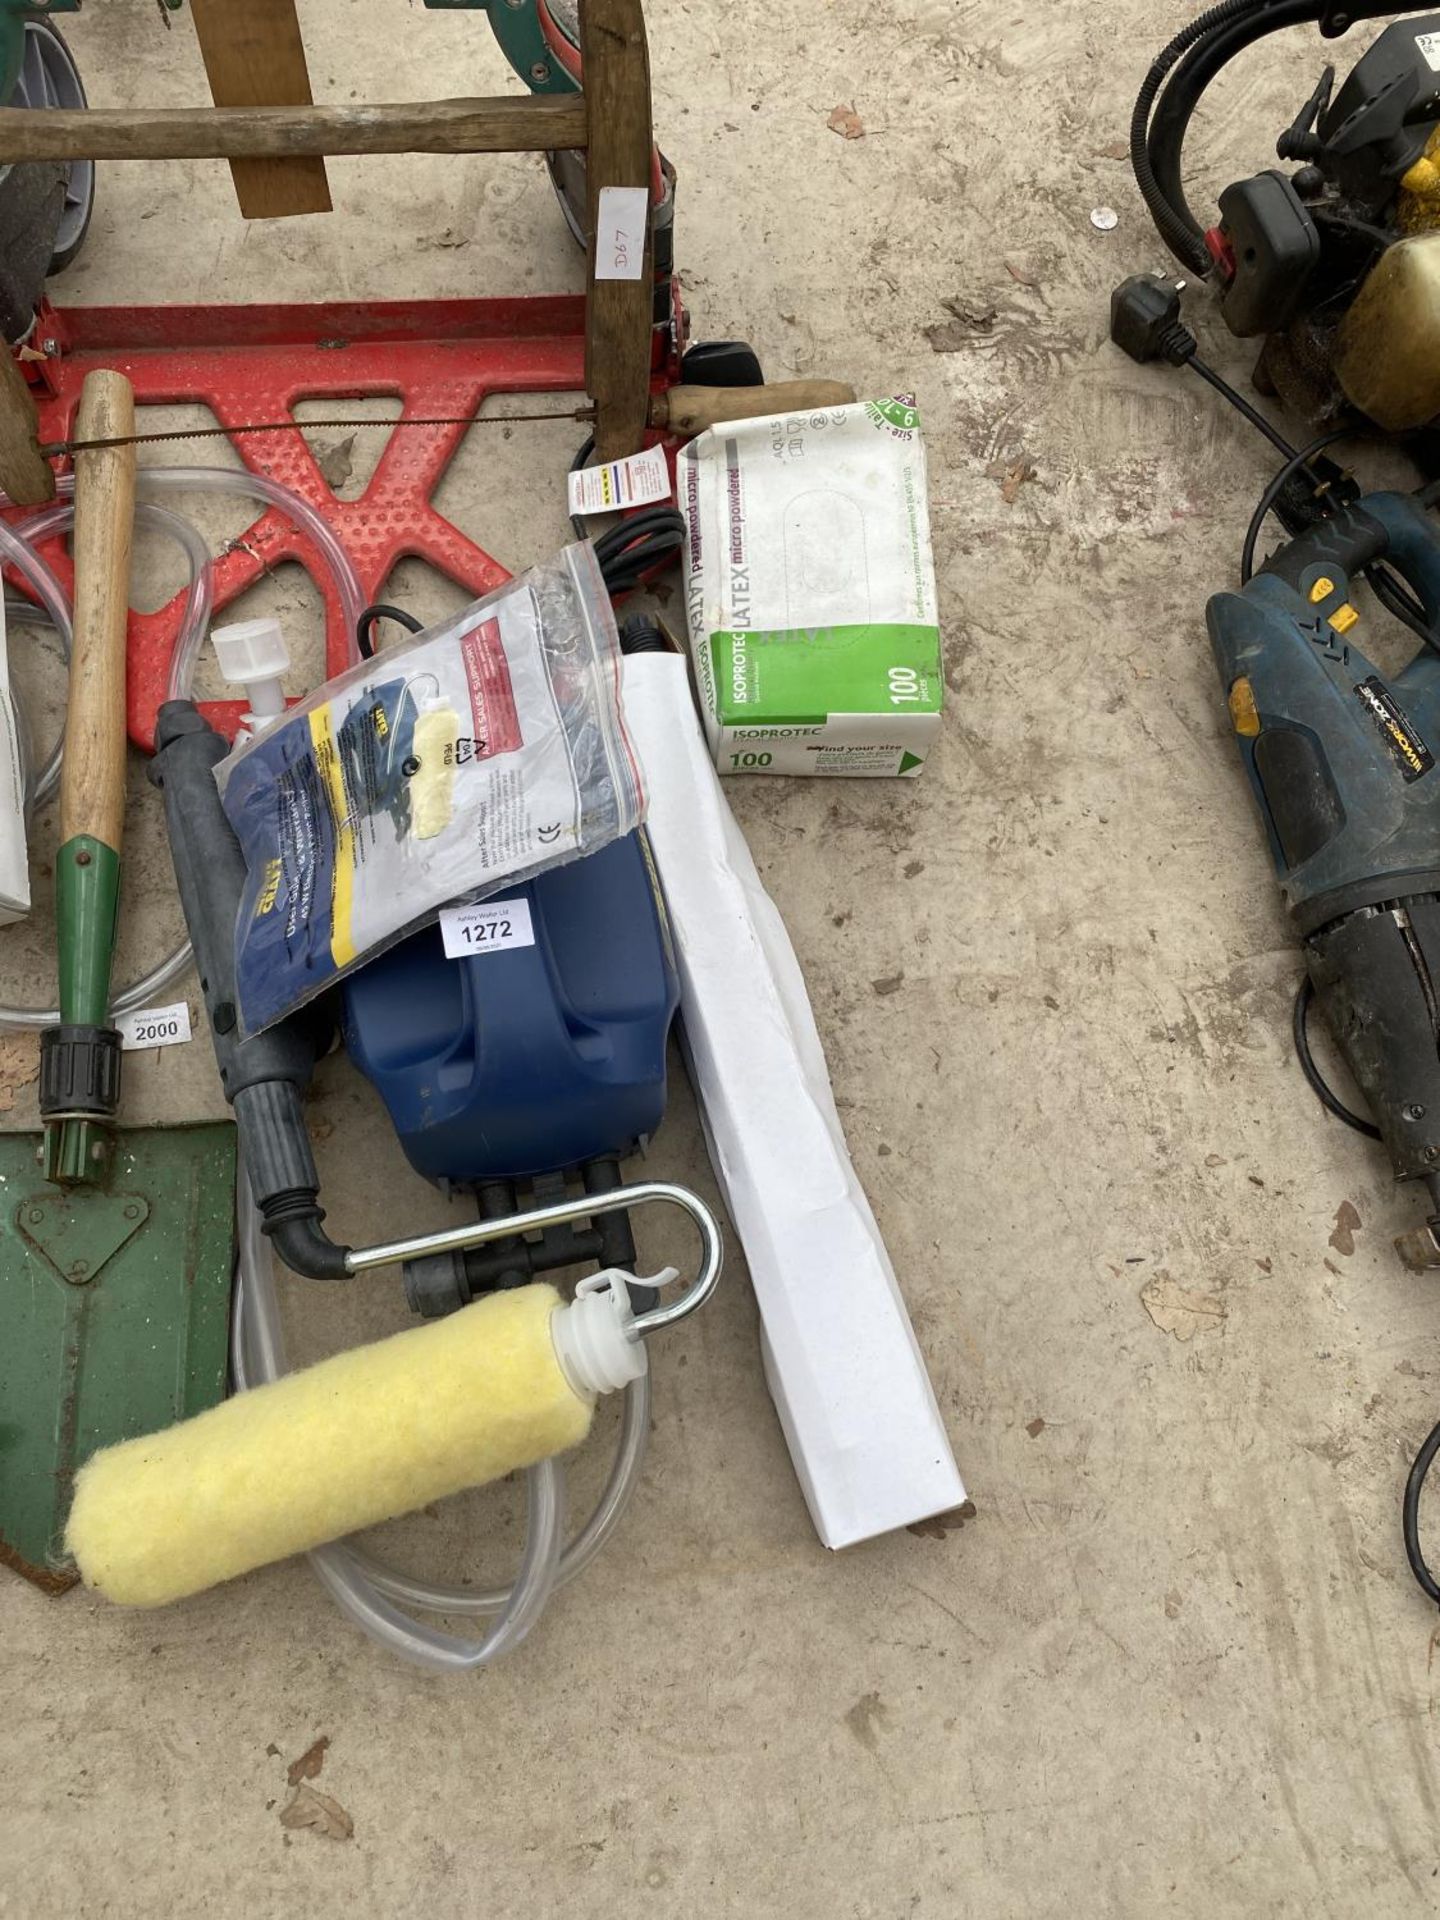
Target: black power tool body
<point>1343,765</point>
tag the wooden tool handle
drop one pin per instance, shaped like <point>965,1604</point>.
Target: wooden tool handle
<point>92,788</point>
<point>255,57</point>
<point>690,410</point>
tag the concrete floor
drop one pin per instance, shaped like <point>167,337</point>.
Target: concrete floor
<point>1174,1661</point>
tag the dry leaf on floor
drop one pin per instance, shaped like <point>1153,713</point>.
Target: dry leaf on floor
<point>1347,1219</point>
<point>1179,1310</point>
<point>982,319</point>
<point>19,1065</point>
<point>307,1807</point>
<point>308,1766</point>
<point>1019,472</point>
<point>1012,475</point>
<point>1113,150</point>
<point>846,122</point>
<point>949,336</point>
<point>335,462</point>
<point>1021,273</point>
<point>958,332</point>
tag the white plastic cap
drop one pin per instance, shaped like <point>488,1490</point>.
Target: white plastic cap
<point>250,650</point>
<point>594,1337</point>
<point>252,654</point>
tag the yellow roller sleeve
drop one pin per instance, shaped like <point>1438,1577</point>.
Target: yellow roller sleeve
<point>357,1439</point>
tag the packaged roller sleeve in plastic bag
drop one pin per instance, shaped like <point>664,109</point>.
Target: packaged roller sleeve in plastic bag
<point>472,757</point>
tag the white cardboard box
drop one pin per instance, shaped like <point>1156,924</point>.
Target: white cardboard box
<point>810,591</point>
<point>840,1355</point>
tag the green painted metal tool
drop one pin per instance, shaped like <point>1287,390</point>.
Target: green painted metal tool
<point>80,1059</point>
<point>114,1317</point>
<point>115,1250</point>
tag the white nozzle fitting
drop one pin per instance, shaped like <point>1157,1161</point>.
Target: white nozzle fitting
<point>252,654</point>
<point>595,1339</point>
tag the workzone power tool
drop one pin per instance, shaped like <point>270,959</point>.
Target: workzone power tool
<point>1342,759</point>
<point>1342,763</point>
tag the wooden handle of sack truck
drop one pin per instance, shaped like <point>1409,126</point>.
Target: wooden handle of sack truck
<point>92,787</point>
<point>690,410</point>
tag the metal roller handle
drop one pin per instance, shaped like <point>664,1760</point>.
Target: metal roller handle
<point>646,1193</point>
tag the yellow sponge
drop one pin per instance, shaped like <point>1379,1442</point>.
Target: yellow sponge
<point>432,786</point>
<point>357,1439</point>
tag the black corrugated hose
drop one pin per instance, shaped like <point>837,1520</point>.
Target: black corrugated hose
<point>1176,225</point>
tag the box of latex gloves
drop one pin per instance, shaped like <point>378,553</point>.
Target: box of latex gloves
<point>810,591</point>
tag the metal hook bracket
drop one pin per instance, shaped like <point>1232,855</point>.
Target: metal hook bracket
<point>645,1193</point>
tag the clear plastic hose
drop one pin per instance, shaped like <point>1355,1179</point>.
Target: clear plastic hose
<point>18,548</point>
<point>257,486</point>
<point>199,591</point>
<point>624,1477</point>
<point>40,577</point>
<point>195,621</point>
<point>362,1587</point>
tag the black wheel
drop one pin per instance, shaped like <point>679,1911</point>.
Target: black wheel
<point>722,363</point>
<point>49,77</point>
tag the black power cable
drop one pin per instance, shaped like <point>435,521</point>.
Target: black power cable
<point>1178,77</point>
<point>382,610</point>
<point>1175,108</point>
<point>1391,592</point>
<point>1253,414</point>
<point>1410,1514</point>
<point>1179,229</point>
<point>1276,486</point>
<point>639,543</point>
<point>626,553</point>
<point>1319,1086</point>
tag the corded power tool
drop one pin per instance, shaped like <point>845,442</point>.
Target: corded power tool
<point>1342,763</point>
<point>1342,759</point>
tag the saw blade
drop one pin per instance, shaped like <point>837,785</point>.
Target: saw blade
<point>55,449</point>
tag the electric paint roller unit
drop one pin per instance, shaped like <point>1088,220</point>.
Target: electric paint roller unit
<point>536,1068</point>
<point>1342,762</point>
<point>1335,264</point>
